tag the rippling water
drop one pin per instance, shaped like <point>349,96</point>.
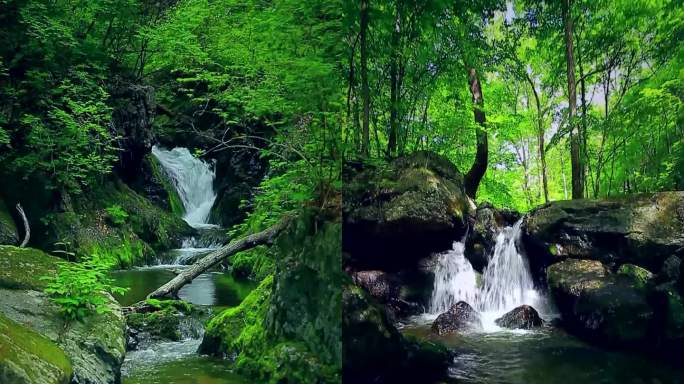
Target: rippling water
<point>547,356</point>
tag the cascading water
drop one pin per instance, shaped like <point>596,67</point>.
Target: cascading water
<point>193,180</point>
<point>506,282</point>
<point>455,280</point>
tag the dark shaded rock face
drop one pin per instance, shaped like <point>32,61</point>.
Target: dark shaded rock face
<point>606,308</point>
<point>132,117</point>
<point>400,293</point>
<point>460,317</point>
<point>485,224</point>
<point>642,230</point>
<point>378,284</point>
<point>375,352</point>
<point>522,317</point>
<point>397,213</point>
<point>8,230</point>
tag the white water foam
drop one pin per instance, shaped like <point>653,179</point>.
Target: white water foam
<point>193,180</point>
<point>506,283</point>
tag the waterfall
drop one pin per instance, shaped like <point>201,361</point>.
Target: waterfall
<point>193,180</point>
<point>455,280</point>
<point>506,282</point>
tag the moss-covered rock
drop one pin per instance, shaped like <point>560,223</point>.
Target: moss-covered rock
<point>21,268</point>
<point>165,320</point>
<point>640,276</point>
<point>375,352</point>
<point>29,358</point>
<point>95,346</point>
<point>641,229</point>
<point>8,230</point>
<point>397,213</point>
<point>287,330</point>
<point>606,308</point>
<point>89,230</point>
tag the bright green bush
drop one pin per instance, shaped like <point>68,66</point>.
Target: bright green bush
<point>79,288</point>
<point>117,214</point>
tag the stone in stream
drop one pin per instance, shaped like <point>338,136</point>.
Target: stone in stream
<point>460,317</point>
<point>522,317</point>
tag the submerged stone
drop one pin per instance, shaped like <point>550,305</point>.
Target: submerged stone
<point>522,317</point>
<point>460,317</point>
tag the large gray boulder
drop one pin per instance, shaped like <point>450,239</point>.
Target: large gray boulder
<point>395,214</point>
<point>522,317</point>
<point>460,317</point>
<point>604,307</point>
<point>643,230</point>
<point>95,347</point>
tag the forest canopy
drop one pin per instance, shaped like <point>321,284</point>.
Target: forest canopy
<point>411,67</point>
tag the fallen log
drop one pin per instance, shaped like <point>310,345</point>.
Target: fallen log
<point>264,237</point>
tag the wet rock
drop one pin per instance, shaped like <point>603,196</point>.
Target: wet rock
<point>375,351</point>
<point>605,308</point>
<point>8,230</point>
<point>398,213</point>
<point>643,230</point>
<point>460,317</point>
<point>167,320</point>
<point>671,270</point>
<point>95,347</point>
<point>522,317</point>
<point>485,225</point>
<point>379,284</point>
<point>132,118</point>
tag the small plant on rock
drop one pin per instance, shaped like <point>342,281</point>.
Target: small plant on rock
<point>116,214</point>
<point>79,288</point>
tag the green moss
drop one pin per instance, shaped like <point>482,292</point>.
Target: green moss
<point>89,231</point>
<point>256,264</point>
<point>640,275</point>
<point>26,356</point>
<point>21,268</point>
<point>287,329</point>
<point>175,202</point>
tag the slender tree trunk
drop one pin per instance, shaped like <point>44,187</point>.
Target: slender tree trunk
<point>394,85</point>
<point>171,288</point>
<point>540,139</point>
<point>479,167</point>
<point>365,93</point>
<point>575,139</point>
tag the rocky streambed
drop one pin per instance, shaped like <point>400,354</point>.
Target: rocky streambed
<point>605,276</point>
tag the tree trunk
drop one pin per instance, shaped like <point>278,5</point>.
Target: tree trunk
<point>365,93</point>
<point>575,139</point>
<point>266,236</point>
<point>540,139</point>
<point>394,86</point>
<point>479,167</point>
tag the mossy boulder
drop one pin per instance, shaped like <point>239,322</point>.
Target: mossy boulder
<point>396,213</point>
<point>287,330</point>
<point>163,320</point>
<point>88,228</point>
<point>8,230</point>
<point>642,229</point>
<point>607,308</point>
<point>375,351</point>
<point>95,346</point>
<point>26,357</point>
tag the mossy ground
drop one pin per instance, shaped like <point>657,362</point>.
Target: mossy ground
<point>26,356</point>
<point>21,268</point>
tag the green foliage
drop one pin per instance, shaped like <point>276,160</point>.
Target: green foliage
<point>116,214</point>
<point>79,288</point>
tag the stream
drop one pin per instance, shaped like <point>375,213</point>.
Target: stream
<point>497,355</point>
<point>178,362</point>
